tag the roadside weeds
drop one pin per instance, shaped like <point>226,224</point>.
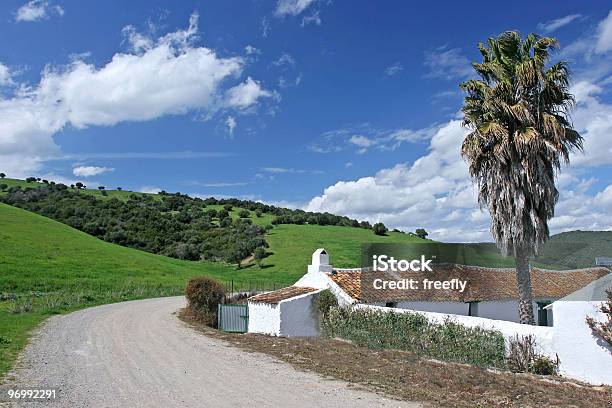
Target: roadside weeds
<point>405,376</point>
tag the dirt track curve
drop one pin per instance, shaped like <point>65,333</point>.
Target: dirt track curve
<point>139,354</point>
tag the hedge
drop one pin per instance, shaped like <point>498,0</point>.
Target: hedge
<point>413,332</point>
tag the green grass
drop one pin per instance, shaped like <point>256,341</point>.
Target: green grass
<point>47,267</point>
<point>291,246</point>
<point>263,220</point>
<point>119,194</point>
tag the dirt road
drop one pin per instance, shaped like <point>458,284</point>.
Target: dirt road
<point>139,354</point>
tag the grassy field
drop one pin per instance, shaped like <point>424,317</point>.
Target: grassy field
<point>119,194</point>
<point>48,267</point>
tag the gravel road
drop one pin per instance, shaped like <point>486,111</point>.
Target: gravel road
<point>139,354</point>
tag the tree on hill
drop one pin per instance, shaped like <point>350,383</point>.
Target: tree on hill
<point>259,255</point>
<point>79,185</point>
<point>379,228</point>
<point>119,189</point>
<point>30,179</point>
<point>421,233</point>
<point>517,113</point>
<point>101,187</point>
<point>2,175</point>
<point>227,207</point>
<point>258,213</point>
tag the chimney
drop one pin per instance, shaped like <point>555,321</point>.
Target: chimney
<point>320,261</point>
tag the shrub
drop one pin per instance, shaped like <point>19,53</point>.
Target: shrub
<point>3,186</point>
<point>244,214</point>
<point>413,332</point>
<point>521,353</point>
<point>258,213</point>
<point>421,233</point>
<point>203,297</point>
<point>522,357</point>
<point>603,329</point>
<point>543,365</point>
<point>324,301</point>
<point>379,228</point>
<point>259,255</point>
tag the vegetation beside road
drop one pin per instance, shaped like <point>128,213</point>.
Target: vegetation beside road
<point>407,376</point>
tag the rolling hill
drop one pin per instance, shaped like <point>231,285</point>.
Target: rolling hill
<point>48,267</point>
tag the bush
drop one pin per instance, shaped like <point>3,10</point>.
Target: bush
<point>324,301</point>
<point>522,357</point>
<point>603,329</point>
<point>244,214</point>
<point>203,297</point>
<point>379,228</point>
<point>543,365</point>
<point>413,332</point>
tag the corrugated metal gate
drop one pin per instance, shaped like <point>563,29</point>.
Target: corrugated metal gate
<point>233,318</point>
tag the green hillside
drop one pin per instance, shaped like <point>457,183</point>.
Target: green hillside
<point>110,193</point>
<point>47,267</point>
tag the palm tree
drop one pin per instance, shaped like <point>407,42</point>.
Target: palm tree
<point>520,131</point>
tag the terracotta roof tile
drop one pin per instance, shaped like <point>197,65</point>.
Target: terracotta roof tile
<point>281,294</point>
<point>482,283</point>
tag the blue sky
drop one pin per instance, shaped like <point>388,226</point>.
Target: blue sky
<point>348,107</point>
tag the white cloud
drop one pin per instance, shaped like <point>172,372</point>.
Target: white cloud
<point>288,170</point>
<point>393,69</point>
<point>604,35</point>
<point>265,27</point>
<point>366,136</point>
<point>231,125</point>
<point>250,50</point>
<point>314,19</point>
<point>89,171</point>
<point>436,192</point>
<point>165,76</point>
<point>554,25</point>
<point>5,75</point>
<point>36,10</point>
<point>149,189</point>
<point>593,120</point>
<point>361,141</point>
<point>446,63</point>
<point>222,184</point>
<point>246,94</point>
<point>291,7</point>
<point>283,60</point>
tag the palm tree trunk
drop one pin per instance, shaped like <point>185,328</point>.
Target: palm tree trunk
<point>523,281</point>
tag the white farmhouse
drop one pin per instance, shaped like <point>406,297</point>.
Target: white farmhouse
<point>488,301</point>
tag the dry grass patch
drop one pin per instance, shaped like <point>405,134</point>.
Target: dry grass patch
<point>403,375</point>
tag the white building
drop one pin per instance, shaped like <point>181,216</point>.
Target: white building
<point>562,300</point>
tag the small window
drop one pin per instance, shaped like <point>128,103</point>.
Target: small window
<point>391,304</point>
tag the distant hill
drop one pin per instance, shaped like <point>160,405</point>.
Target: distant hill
<point>575,249</point>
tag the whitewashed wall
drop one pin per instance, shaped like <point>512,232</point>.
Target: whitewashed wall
<point>299,316</point>
<point>583,356</point>
<point>460,308</point>
<point>264,318</point>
